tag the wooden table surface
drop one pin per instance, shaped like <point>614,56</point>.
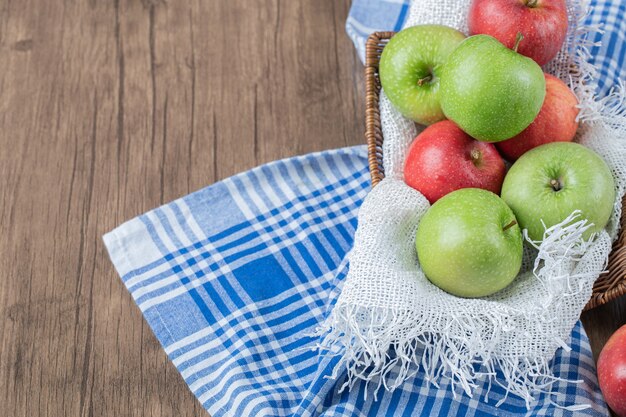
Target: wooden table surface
<point>109,108</point>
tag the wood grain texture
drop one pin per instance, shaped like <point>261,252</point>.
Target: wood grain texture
<point>108,109</point>
<point>111,108</point>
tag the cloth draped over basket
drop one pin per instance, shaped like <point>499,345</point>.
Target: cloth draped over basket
<point>390,321</point>
<point>234,278</point>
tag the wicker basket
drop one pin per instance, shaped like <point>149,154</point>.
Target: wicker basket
<point>609,286</point>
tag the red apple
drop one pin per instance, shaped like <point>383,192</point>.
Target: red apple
<point>612,372</point>
<point>542,22</point>
<point>556,121</point>
<point>443,158</point>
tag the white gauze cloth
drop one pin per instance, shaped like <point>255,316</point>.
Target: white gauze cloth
<point>390,321</point>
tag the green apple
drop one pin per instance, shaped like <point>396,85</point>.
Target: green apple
<point>469,243</point>
<point>409,70</point>
<point>551,181</point>
<point>490,91</point>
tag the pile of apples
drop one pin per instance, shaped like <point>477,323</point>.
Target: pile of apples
<point>485,99</point>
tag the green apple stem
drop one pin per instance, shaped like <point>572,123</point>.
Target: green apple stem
<point>518,39</point>
<point>531,3</point>
<point>508,226</point>
<point>556,185</point>
<point>425,80</point>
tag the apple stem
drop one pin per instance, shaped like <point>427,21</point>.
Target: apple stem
<point>508,226</point>
<point>425,80</point>
<point>475,156</point>
<point>531,3</point>
<point>556,185</point>
<point>518,39</point>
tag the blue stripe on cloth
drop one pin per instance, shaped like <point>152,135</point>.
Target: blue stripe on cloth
<point>608,57</point>
<point>368,16</point>
<point>233,278</point>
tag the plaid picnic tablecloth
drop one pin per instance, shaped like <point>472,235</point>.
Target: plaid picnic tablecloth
<point>234,278</point>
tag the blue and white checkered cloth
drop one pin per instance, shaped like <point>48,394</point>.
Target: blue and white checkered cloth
<point>233,278</point>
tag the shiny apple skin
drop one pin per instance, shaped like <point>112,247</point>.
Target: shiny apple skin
<point>490,91</point>
<point>551,181</point>
<point>443,158</point>
<point>413,55</point>
<point>469,244</point>
<point>544,26</point>
<point>556,121</point>
<point>612,371</point>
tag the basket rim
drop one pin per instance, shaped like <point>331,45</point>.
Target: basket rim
<point>608,286</point>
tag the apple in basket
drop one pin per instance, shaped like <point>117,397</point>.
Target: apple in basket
<point>443,158</point>
<point>612,371</point>
<point>556,121</point>
<point>469,243</point>
<point>542,22</point>
<point>550,182</point>
<point>409,69</point>
<point>490,91</point>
